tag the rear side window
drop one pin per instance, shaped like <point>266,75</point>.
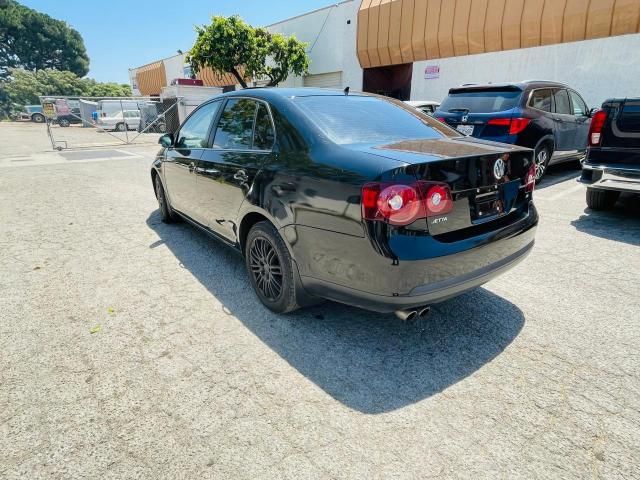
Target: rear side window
<point>235,128</point>
<point>358,119</point>
<point>263,134</point>
<point>563,105</point>
<point>629,117</point>
<point>579,107</point>
<point>541,99</point>
<point>481,101</point>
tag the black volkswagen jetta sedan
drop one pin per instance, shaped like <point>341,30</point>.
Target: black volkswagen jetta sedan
<point>354,198</point>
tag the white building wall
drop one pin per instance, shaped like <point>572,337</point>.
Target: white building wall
<point>332,42</point>
<point>598,69</point>
<point>174,67</point>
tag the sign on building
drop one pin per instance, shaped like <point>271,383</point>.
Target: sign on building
<point>431,72</point>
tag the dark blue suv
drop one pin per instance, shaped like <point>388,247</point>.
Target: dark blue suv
<point>548,117</point>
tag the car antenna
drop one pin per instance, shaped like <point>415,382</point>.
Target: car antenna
<point>346,91</point>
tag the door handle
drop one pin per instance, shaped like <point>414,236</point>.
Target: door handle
<point>212,172</point>
<point>241,176</point>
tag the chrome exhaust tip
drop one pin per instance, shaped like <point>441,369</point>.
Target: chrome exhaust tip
<point>406,315</point>
<point>424,312</point>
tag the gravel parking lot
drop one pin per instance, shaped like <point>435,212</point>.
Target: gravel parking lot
<point>134,349</point>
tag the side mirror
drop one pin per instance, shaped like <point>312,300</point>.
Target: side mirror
<point>166,140</point>
<point>591,112</point>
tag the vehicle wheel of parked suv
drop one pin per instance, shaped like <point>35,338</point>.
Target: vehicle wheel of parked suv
<point>163,203</point>
<point>601,199</point>
<point>270,268</point>
<point>63,122</point>
<point>542,156</point>
<point>120,127</point>
<point>37,118</point>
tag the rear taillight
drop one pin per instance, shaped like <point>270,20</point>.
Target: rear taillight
<point>400,204</point>
<point>595,129</point>
<point>530,180</point>
<point>516,125</point>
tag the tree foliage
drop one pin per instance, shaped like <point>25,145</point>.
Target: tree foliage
<point>230,45</point>
<point>23,87</point>
<point>35,41</point>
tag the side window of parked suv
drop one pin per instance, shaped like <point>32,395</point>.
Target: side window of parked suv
<point>541,99</point>
<point>563,106</point>
<point>579,107</point>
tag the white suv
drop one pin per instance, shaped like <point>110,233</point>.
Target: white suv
<point>121,121</point>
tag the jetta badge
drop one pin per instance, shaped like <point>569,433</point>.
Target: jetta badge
<point>498,169</point>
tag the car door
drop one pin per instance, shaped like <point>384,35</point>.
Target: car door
<point>564,122</point>
<point>242,143</point>
<point>582,120</point>
<point>181,159</point>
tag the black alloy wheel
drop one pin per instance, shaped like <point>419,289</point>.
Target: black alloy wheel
<point>63,122</point>
<point>270,268</point>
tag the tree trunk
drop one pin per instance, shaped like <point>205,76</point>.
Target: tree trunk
<point>239,78</point>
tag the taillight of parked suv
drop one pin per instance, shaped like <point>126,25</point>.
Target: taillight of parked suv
<point>516,125</point>
<point>595,130</point>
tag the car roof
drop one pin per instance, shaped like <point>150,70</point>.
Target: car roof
<point>278,92</point>
<point>523,85</point>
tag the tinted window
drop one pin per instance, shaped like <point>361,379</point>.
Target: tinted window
<point>629,118</point>
<point>541,99</point>
<point>561,98</point>
<point>356,119</point>
<point>483,101</point>
<point>579,107</point>
<point>428,109</point>
<point>235,128</point>
<point>193,133</point>
<point>263,134</point>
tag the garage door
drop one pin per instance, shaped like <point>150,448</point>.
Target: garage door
<point>324,80</point>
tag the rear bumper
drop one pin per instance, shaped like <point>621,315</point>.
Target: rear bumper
<point>621,178</point>
<point>345,269</point>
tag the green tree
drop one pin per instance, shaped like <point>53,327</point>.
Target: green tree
<point>230,45</point>
<point>35,41</point>
<point>23,87</point>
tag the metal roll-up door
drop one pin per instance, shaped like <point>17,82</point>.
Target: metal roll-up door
<point>324,80</point>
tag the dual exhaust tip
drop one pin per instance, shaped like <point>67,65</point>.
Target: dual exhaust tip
<point>409,315</point>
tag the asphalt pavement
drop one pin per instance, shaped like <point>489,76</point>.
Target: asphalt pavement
<point>134,349</point>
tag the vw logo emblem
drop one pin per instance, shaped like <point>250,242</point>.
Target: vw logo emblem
<point>498,169</point>
<point>465,118</point>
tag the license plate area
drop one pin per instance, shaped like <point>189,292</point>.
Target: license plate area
<point>487,205</point>
<point>465,129</point>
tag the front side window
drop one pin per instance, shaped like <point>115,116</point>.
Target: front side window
<point>541,99</point>
<point>579,107</point>
<point>563,105</point>
<point>193,133</point>
<point>235,128</point>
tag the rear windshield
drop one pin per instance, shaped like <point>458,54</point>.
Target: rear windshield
<point>483,101</point>
<point>357,119</point>
<point>629,118</point>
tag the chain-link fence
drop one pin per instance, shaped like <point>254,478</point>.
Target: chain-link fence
<point>77,122</point>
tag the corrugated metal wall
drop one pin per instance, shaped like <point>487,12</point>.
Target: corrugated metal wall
<point>402,31</point>
<point>213,79</point>
<point>151,78</point>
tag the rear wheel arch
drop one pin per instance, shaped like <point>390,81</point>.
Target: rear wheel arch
<point>248,221</point>
<point>547,140</point>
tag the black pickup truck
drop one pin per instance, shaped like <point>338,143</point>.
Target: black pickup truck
<point>612,164</point>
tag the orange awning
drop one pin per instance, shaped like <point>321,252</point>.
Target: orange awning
<point>151,78</point>
<point>214,79</point>
<point>403,31</point>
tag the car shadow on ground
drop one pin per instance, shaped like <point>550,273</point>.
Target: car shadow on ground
<point>622,223</point>
<point>558,173</point>
<point>370,362</point>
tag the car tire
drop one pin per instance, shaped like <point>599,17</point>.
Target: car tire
<point>542,155</point>
<point>63,122</point>
<point>120,127</point>
<point>601,199</point>
<point>162,127</point>
<point>167,214</point>
<point>270,268</point>
<point>37,118</point>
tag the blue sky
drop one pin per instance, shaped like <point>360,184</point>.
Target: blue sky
<point>120,34</point>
